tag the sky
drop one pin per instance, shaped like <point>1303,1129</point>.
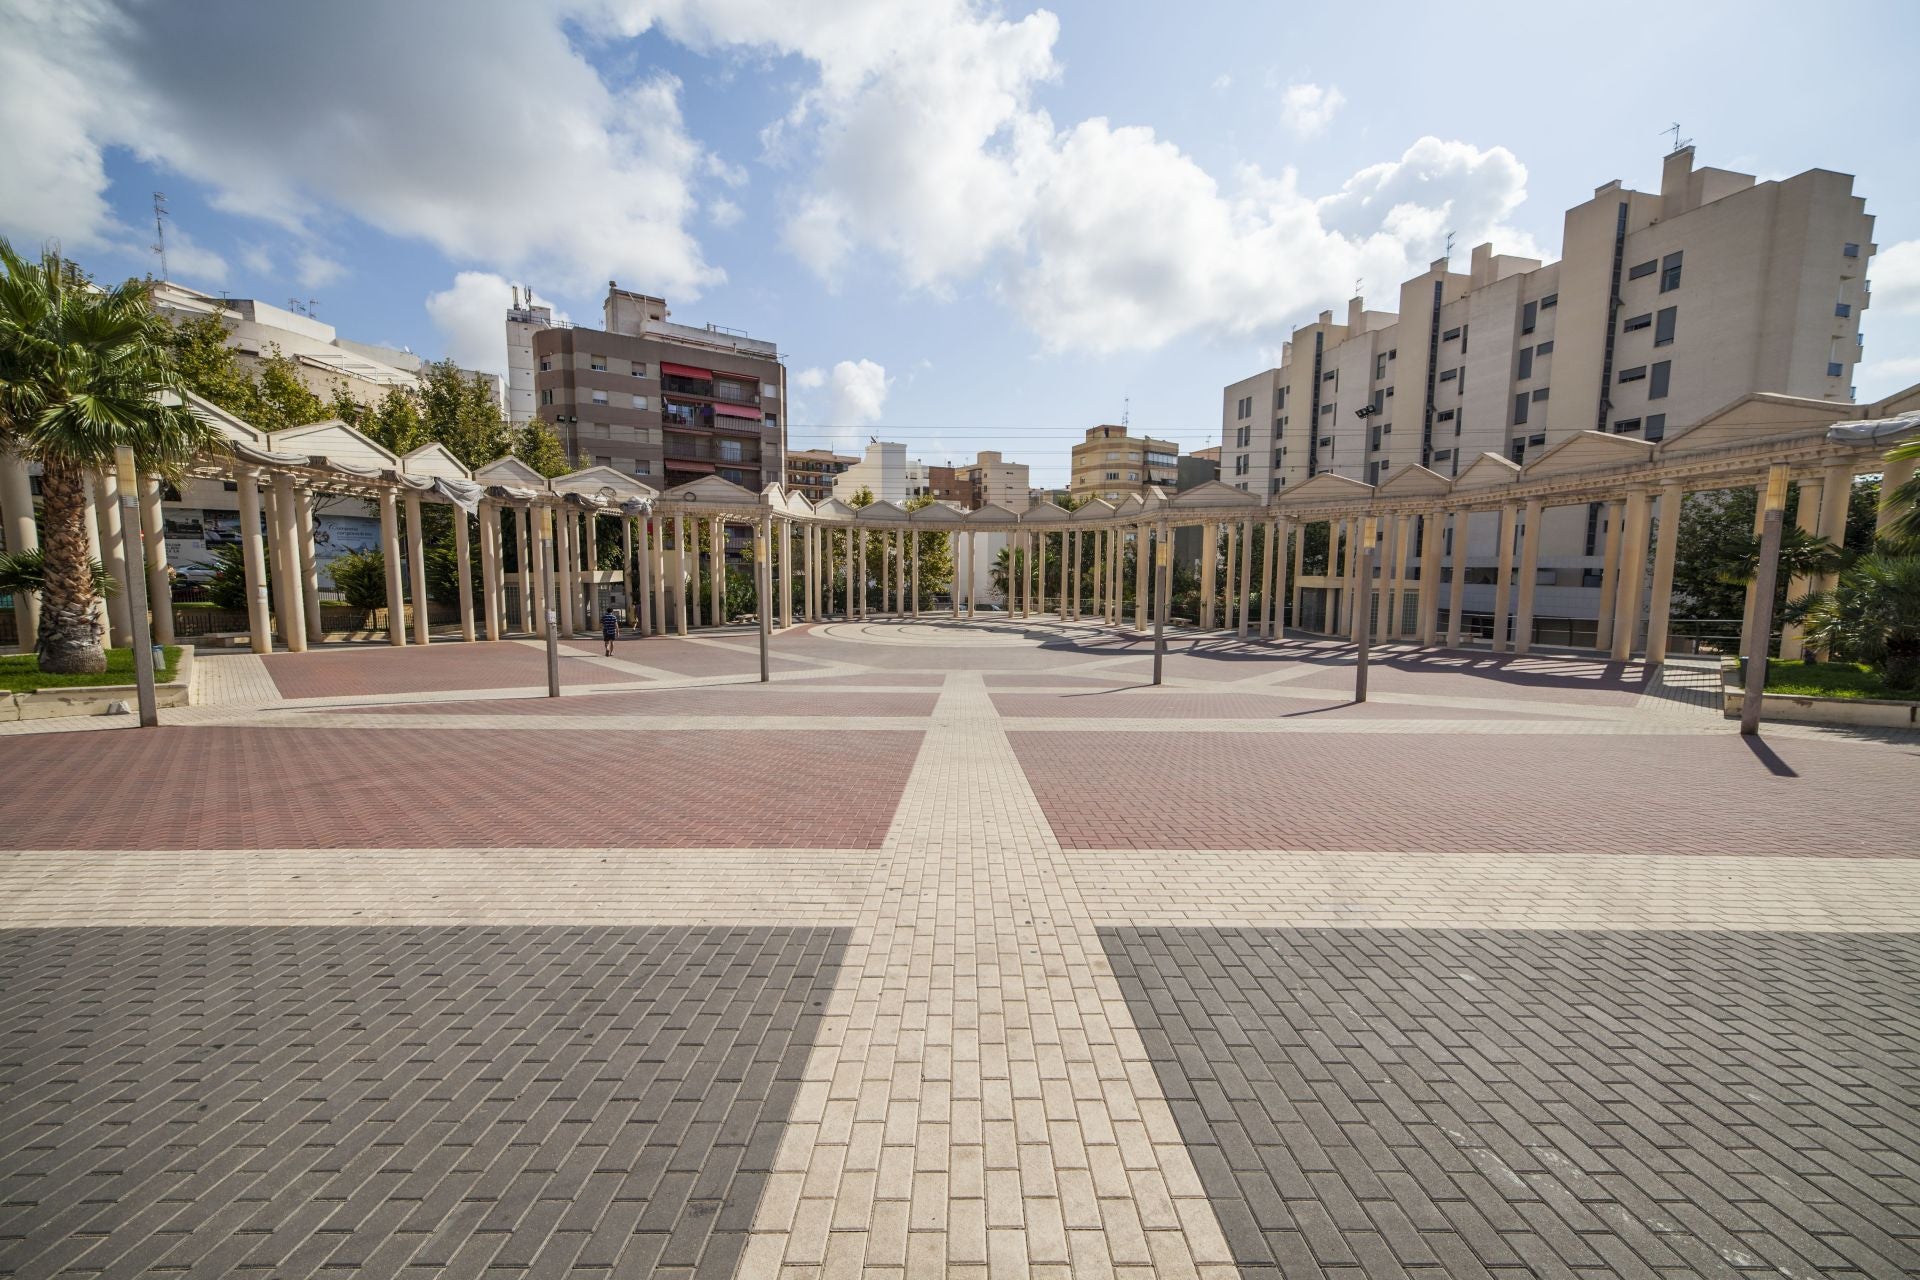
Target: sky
<point>966,226</point>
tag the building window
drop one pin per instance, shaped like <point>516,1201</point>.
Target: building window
<point>1380,365</point>
<point>773,422</point>
<point>1446,415</point>
<point>1657,383</point>
<point>1243,437</point>
<point>1280,399</point>
<point>732,451</point>
<point>1634,323</point>
<point>546,395</point>
<point>1244,409</point>
<point>1635,374</point>
<point>1850,250</point>
<point>1520,410</point>
<point>1517,449</point>
<point>1656,426</point>
<point>1541,394</point>
<point>1551,300</point>
<point>1449,375</point>
<point>1325,409</point>
<point>1441,455</point>
<point>1644,269</point>
<point>1239,466</point>
<point>1113,475</point>
<point>1663,326</point>
<point>1529,316</point>
<point>1450,334</point>
<point>1835,369</point>
<point>546,366</point>
<point>1670,273</point>
<point>641,467</point>
<point>599,397</point>
<point>1545,348</point>
<point>639,369</point>
<point>1526,363</point>
<point>1331,375</point>
<point>597,363</point>
<point>639,402</point>
<point>1626,426</point>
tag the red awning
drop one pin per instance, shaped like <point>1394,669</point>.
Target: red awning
<point>737,411</point>
<point>686,371</point>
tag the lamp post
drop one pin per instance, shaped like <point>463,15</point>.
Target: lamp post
<point>1765,576</point>
<point>135,553</point>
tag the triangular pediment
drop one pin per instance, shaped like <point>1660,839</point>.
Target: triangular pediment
<point>1328,486</point>
<point>1415,482</point>
<point>1488,471</point>
<point>713,491</point>
<point>1045,511</point>
<point>938,513</point>
<point>796,503</point>
<point>834,509</point>
<point>335,441</point>
<point>238,430</point>
<point>1756,418</point>
<point>992,513</point>
<point>1587,451</point>
<point>434,460</point>
<point>880,512</point>
<point>604,482</point>
<point>1092,509</point>
<point>1213,493</point>
<point>512,472</point>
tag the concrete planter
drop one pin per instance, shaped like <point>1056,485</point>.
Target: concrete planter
<point>94,699</point>
<point>1879,713</point>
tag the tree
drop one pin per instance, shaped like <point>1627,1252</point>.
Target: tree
<point>273,398</point>
<point>1872,615</point>
<point>1904,532</point>
<point>82,371</point>
<point>935,552</point>
<point>361,578</point>
<point>228,586</point>
<point>25,572</point>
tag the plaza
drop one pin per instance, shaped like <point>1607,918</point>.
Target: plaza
<point>956,948</point>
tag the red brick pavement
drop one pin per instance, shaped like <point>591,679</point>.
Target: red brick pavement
<point>1679,794</point>
<point>236,788</point>
<point>436,668</point>
<point>716,700</point>
<point>1467,675</point>
<point>686,658</point>
<point>1178,704</point>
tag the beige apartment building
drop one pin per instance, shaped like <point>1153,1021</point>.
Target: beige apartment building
<point>1111,464</point>
<point>811,471</point>
<point>664,402</point>
<point>1663,309</point>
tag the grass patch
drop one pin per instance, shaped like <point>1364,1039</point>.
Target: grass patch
<point>21,673</point>
<point>1828,680</point>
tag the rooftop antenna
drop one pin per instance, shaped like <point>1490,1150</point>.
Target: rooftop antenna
<point>1678,141</point>
<point>1126,412</point>
<point>160,230</point>
<point>313,306</point>
<point>1449,248</point>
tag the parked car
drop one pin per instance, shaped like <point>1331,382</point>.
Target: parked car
<point>194,574</point>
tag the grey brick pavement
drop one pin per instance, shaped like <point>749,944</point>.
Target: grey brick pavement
<point>397,1101</point>
<point>1395,1102</point>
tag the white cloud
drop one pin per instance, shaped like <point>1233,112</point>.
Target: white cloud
<point>808,379</point>
<point>859,390</point>
<point>315,270</point>
<point>1896,278</point>
<point>1222,82</point>
<point>1307,109</point>
<point>188,260</point>
<point>505,147</point>
<point>257,259</point>
<point>1890,375</point>
<point>471,316</point>
<point>722,212</point>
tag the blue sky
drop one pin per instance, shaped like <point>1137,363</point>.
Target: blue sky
<point>966,227</point>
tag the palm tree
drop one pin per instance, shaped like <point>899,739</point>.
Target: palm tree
<point>82,371</point>
<point>1905,499</point>
<point>1872,615</point>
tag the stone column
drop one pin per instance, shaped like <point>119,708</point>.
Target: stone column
<point>23,534</point>
<point>533,568</point>
<point>1429,582</point>
<point>1036,574</point>
<point>590,571</point>
<point>1209,552</point>
<point>1610,575</point>
<point>1807,520</point>
<point>860,604</point>
<point>1392,548</point>
<point>153,534</point>
<point>253,556</point>
<point>786,573</point>
<point>1893,474</point>
<point>1503,585</point>
<point>1457,587</point>
<point>113,555</point>
<point>489,568</point>
<point>1660,609</point>
<point>1246,575</point>
<point>973,550</point>
<point>1633,576</point>
<point>289,598</point>
<point>657,570</point>
<point>566,566</point>
<point>640,565</point>
<point>1142,575</point>
<point>680,583</point>
<point>523,559</point>
<point>463,565</point>
<point>1299,571</point>
<point>1227,594</point>
<point>308,555</point>
<point>417,568</point>
<point>1529,572</point>
<point>1360,534</point>
<point>913,551</point>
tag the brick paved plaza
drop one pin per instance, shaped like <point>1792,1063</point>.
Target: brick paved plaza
<point>956,950</point>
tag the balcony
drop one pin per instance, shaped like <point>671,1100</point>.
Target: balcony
<point>719,450</point>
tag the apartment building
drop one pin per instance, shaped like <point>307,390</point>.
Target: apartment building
<point>1111,464</point>
<point>992,478</point>
<point>665,402</point>
<point>810,472</point>
<point>1663,309</point>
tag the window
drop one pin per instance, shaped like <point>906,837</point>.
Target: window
<point>599,461</point>
<point>639,369</point>
<point>1245,408</point>
<point>1449,375</point>
<point>1242,437</point>
<point>1330,375</point>
<point>639,402</point>
<point>1133,475</point>
<point>1551,300</point>
<point>1279,399</point>
<point>1626,426</point>
<point>1636,374</point>
<point>1441,455</point>
<point>1380,365</point>
<point>1541,394</point>
<point>1446,415</point>
<point>1843,309</point>
<point>1379,401</point>
<point>1464,335</point>
<point>1644,269</point>
<point>546,395</point>
<point>1656,426</point>
<point>1240,465</point>
<point>1529,315</point>
<point>1663,326</point>
<point>1545,348</point>
<point>1526,363</point>
<point>1520,410</point>
<point>1657,383</point>
<point>1279,429</point>
<point>1644,321</point>
<point>1536,439</point>
<point>641,467</point>
<point>732,451</point>
<point>1517,449</point>
<point>1450,334</point>
<point>546,365</point>
<point>1670,273</point>
<point>768,391</point>
<point>597,363</point>
<point>1325,409</point>
<point>1113,475</point>
<point>1835,369</point>
<point>773,422</point>
<point>599,397</point>
<point>1850,250</point>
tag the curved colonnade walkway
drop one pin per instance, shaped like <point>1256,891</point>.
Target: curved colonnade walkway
<point>955,950</point>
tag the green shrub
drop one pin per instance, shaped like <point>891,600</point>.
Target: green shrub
<point>361,578</point>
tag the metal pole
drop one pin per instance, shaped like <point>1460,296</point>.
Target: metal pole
<point>553,614</point>
<point>1766,575</point>
<point>1363,619</point>
<point>142,636</point>
<point>1162,550</point>
<point>763,587</point>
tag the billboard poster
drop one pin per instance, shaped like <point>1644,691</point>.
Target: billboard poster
<point>194,537</point>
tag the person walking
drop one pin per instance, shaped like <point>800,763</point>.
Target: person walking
<point>609,624</point>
